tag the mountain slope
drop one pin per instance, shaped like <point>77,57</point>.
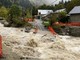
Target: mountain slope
<point>22,3</point>
<point>38,2</point>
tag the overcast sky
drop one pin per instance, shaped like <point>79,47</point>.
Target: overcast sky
<point>55,1</point>
<point>48,2</point>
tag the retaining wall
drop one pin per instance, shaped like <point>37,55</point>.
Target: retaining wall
<point>74,31</point>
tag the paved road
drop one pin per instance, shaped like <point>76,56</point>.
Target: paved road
<point>39,25</point>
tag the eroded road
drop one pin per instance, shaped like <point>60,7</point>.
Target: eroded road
<point>39,25</point>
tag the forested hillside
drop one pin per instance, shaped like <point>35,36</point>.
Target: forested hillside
<point>22,3</point>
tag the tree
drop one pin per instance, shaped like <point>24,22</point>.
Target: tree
<point>15,11</point>
<point>3,12</point>
<point>72,4</point>
<point>14,16</point>
<point>34,10</point>
<point>59,6</point>
<point>48,7</point>
<point>53,19</point>
<point>28,13</point>
<point>62,17</point>
<point>22,3</point>
<point>42,6</point>
<point>0,5</point>
<point>5,3</point>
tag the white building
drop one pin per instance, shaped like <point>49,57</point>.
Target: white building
<point>44,12</point>
<point>75,14</point>
<point>60,10</point>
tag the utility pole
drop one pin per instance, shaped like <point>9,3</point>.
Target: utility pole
<point>62,1</point>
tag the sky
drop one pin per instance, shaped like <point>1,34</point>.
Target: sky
<point>55,1</point>
<point>48,2</point>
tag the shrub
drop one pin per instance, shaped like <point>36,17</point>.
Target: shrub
<point>57,28</point>
<point>3,12</point>
<point>19,23</point>
<point>14,16</point>
<point>46,23</point>
<point>52,19</point>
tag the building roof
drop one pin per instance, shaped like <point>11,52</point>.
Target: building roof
<point>75,10</point>
<point>60,10</point>
<point>45,11</point>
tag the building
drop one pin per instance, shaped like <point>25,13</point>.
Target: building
<point>75,20</point>
<point>60,10</point>
<point>44,12</point>
<point>75,14</point>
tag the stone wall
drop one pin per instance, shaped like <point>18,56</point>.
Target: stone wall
<point>74,31</point>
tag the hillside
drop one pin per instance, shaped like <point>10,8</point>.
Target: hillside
<point>38,2</point>
<point>22,3</point>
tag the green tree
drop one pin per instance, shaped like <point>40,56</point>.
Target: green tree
<point>62,17</point>
<point>59,6</point>
<point>48,7</point>
<point>3,12</point>
<point>53,19</point>
<point>72,4</point>
<point>28,13</point>
<point>15,11</point>
<point>0,5</point>
<point>62,13</point>
<point>34,10</point>
<point>14,16</point>
<point>42,6</point>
